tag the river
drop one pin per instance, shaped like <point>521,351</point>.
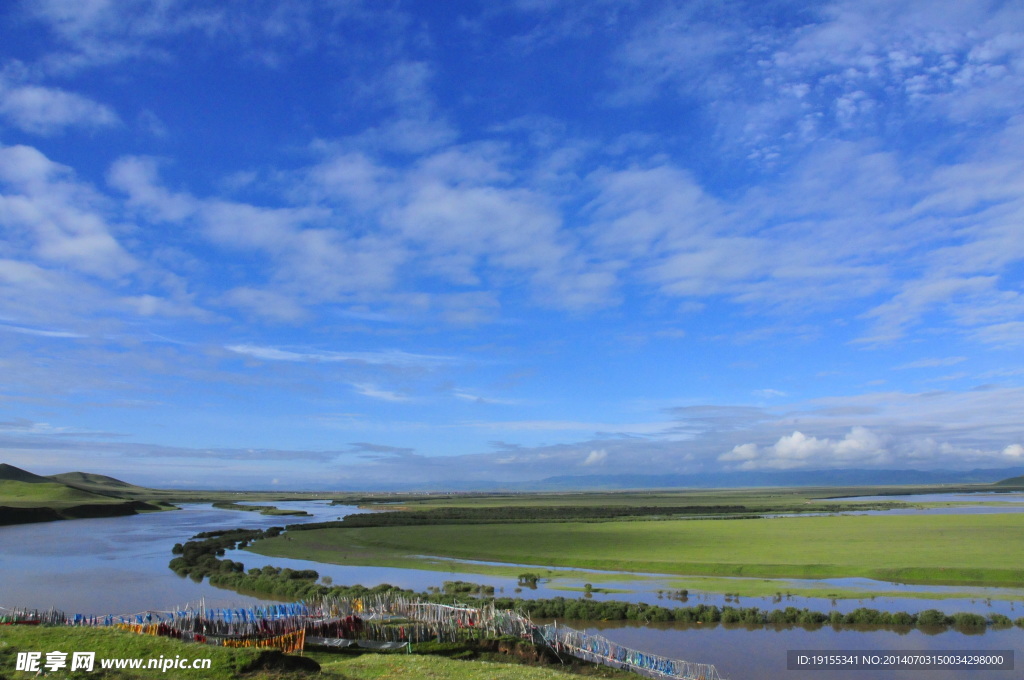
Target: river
<point>119,566</point>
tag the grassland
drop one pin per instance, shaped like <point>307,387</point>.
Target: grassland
<point>923,549</point>
<point>114,644</point>
<point>246,664</point>
<point>415,667</point>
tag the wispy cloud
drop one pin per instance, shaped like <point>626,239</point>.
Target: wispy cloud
<point>374,392</point>
<point>388,358</point>
<point>932,363</point>
<point>42,333</point>
<point>479,399</point>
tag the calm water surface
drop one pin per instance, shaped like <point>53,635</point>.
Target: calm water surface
<point>118,565</point>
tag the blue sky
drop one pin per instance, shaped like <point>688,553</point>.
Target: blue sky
<point>329,243</point>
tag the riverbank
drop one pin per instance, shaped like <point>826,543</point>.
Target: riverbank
<point>11,515</point>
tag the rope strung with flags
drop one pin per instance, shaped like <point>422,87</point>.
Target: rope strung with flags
<point>391,620</point>
<point>601,650</point>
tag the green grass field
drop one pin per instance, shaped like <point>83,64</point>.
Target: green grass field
<point>937,549</point>
<point>416,667</point>
<point>244,664</point>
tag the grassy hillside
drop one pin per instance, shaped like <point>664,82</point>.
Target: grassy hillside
<point>10,473</point>
<point>26,497</point>
<point>100,484</point>
<point>32,494</point>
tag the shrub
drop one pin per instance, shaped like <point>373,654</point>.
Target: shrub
<point>1000,621</point>
<point>965,621</point>
<point>932,617</point>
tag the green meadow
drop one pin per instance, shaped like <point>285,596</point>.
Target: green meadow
<point>248,664</point>
<point>27,494</point>
<point>922,549</point>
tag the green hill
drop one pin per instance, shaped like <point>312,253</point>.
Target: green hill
<point>46,493</point>
<point>28,497</point>
<point>25,489</point>
<point>101,484</point>
<point>10,473</point>
<point>1012,481</point>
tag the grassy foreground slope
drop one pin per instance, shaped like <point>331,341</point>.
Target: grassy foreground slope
<point>934,549</point>
<point>247,664</point>
<point>415,667</point>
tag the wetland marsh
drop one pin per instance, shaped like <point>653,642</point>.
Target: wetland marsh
<point>818,563</point>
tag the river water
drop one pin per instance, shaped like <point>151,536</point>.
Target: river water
<point>119,566</point>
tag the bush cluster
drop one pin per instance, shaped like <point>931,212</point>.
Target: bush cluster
<point>199,557</point>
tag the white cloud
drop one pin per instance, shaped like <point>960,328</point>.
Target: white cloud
<point>365,232</point>
<point>47,110</point>
<point>769,393</point>
<point>374,392</point>
<point>847,67</point>
<point>100,33</point>
<point>138,178</point>
<point>45,211</point>
<point>595,457</point>
<point>1015,451</point>
<point>797,450</point>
